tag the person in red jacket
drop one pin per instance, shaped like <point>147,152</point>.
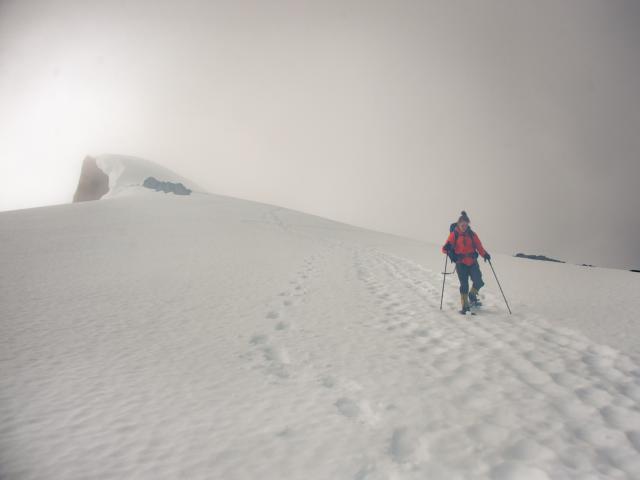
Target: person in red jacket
<point>463,247</point>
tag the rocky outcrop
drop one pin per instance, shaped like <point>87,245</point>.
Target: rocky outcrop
<point>166,187</point>
<point>544,258</point>
<point>93,183</point>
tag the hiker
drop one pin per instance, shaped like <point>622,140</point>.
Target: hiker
<point>462,247</point>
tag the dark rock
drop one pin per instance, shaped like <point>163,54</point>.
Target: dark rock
<point>166,187</point>
<point>93,183</point>
<point>544,258</point>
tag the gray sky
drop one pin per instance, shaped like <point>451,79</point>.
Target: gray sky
<point>390,115</point>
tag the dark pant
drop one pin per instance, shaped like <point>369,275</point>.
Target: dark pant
<point>466,271</point>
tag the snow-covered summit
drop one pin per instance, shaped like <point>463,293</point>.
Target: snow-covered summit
<point>120,175</point>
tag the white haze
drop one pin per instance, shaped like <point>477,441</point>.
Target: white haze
<point>389,115</point>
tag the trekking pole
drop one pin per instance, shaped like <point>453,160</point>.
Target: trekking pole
<point>501,291</point>
<point>444,277</point>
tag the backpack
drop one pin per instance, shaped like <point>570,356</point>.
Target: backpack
<point>452,228</point>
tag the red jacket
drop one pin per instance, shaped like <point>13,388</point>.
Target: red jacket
<point>464,246</point>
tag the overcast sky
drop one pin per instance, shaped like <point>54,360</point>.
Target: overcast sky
<point>390,115</point>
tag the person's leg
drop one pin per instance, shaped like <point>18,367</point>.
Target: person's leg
<point>476,278</point>
<point>463,276</point>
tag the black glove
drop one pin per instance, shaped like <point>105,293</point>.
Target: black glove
<point>447,247</point>
<point>487,257</point>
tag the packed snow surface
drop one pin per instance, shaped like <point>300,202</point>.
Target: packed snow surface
<point>162,337</point>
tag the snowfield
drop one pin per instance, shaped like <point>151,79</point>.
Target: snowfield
<point>160,337</point>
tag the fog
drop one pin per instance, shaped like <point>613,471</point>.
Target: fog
<point>388,115</point>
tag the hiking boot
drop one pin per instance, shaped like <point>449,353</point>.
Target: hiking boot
<point>464,300</point>
<point>473,297</point>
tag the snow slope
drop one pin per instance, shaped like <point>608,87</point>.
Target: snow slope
<point>160,337</point>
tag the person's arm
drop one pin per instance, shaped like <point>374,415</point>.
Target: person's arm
<point>480,247</point>
<point>449,244</point>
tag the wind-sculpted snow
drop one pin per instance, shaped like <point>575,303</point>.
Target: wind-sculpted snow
<point>127,176</point>
<point>255,342</point>
<point>93,182</point>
